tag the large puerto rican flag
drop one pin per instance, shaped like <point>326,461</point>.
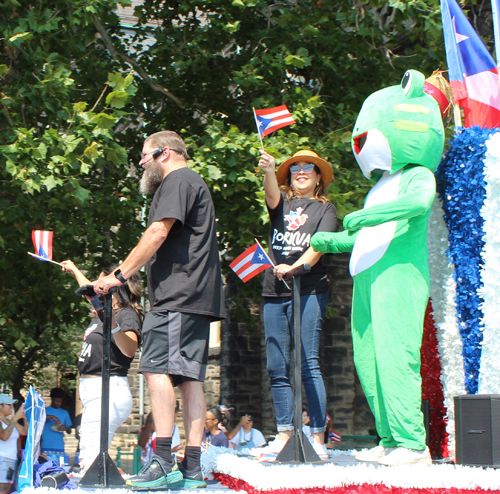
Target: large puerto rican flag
<point>473,72</point>
<point>42,241</point>
<point>272,119</point>
<point>252,262</point>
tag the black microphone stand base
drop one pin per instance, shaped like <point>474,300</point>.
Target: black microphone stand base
<point>102,473</point>
<point>297,450</point>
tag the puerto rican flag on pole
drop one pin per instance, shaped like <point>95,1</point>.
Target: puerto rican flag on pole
<point>42,241</point>
<point>473,72</point>
<point>272,119</point>
<point>252,262</point>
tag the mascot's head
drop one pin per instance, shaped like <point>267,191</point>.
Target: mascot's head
<point>402,125</point>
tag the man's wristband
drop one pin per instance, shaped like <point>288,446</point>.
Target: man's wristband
<point>119,276</point>
<point>113,331</point>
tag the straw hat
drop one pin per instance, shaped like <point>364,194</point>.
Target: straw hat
<point>310,157</point>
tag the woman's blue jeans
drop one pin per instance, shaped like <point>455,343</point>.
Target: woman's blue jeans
<point>278,328</point>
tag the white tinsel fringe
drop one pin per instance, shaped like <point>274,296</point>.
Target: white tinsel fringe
<point>273,477</point>
<point>489,375</point>
<point>442,292</point>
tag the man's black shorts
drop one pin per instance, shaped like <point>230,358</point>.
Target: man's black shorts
<point>175,343</point>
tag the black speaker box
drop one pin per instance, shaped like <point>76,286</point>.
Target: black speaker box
<point>477,429</point>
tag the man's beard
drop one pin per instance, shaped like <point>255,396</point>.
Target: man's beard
<point>151,179</point>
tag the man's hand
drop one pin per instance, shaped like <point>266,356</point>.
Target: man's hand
<point>103,285</point>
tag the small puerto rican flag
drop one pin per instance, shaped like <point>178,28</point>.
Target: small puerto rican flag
<point>272,119</point>
<point>334,437</point>
<point>42,241</point>
<point>252,262</point>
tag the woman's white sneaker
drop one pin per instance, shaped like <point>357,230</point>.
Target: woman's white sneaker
<point>374,454</point>
<point>403,456</point>
<point>320,450</point>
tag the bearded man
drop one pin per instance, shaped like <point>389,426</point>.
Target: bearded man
<point>180,249</point>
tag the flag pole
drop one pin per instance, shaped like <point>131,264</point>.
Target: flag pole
<point>44,259</point>
<point>457,115</point>
<point>258,130</point>
<point>272,263</point>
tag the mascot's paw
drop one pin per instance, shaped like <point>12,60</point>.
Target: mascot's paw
<point>350,223</point>
<point>323,242</point>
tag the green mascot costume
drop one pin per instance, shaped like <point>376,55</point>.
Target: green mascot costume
<point>398,140</point>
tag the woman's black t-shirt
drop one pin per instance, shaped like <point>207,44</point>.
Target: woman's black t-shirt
<point>90,360</point>
<point>293,223</point>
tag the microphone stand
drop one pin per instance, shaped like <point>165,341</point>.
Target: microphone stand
<point>103,471</point>
<point>298,449</point>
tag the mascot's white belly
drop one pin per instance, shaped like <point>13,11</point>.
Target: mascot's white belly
<point>372,242</point>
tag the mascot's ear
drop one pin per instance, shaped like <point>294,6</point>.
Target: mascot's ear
<point>413,83</point>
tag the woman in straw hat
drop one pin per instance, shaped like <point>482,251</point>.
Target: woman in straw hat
<point>298,208</point>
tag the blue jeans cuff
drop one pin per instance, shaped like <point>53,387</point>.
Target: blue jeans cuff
<point>317,430</point>
<point>285,428</point>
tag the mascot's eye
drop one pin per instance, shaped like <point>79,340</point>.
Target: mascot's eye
<point>406,82</point>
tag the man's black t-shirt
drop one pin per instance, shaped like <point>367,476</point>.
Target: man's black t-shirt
<point>293,223</point>
<point>184,275</point>
<point>90,360</point>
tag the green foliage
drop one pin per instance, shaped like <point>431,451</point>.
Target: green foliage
<point>61,169</point>
<point>76,107</point>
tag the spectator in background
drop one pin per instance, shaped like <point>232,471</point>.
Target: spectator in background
<point>10,432</point>
<point>57,422</point>
<point>226,415</point>
<point>213,435</point>
<point>306,429</point>
<point>331,437</point>
<point>247,437</point>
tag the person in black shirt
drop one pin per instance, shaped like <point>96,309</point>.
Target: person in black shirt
<point>298,207</point>
<point>125,339</point>
<point>180,250</point>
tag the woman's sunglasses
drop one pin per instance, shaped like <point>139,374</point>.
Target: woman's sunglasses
<point>307,168</point>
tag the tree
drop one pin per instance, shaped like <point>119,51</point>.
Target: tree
<point>79,94</point>
<point>62,169</point>
<point>321,59</point>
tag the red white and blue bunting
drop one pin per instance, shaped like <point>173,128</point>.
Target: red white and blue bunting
<point>464,260</point>
<point>259,478</point>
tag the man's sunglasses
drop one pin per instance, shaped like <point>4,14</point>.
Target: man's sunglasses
<point>307,168</point>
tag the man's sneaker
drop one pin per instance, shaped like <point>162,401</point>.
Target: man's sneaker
<point>194,474</point>
<point>320,450</point>
<point>403,456</point>
<point>156,473</point>
<point>189,484</point>
<point>273,448</point>
<point>373,454</point>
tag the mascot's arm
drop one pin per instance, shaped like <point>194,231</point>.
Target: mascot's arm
<point>416,200</point>
<point>333,243</point>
